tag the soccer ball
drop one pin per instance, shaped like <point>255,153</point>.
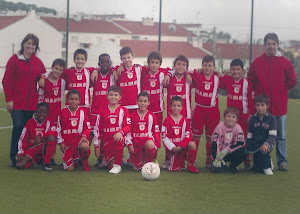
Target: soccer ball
<point>150,171</point>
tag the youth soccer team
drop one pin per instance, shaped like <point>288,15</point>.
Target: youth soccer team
<point>127,111</point>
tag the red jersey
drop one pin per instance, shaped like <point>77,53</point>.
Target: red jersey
<point>153,85</point>
<point>206,89</point>
<point>71,126</point>
<point>130,84</point>
<point>179,87</point>
<point>79,80</point>
<point>239,94</point>
<point>176,133</point>
<point>100,88</point>
<point>31,130</point>
<point>53,94</point>
<point>109,122</point>
<point>143,128</point>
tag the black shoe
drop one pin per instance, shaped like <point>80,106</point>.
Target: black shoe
<point>40,162</point>
<point>53,162</point>
<point>282,167</point>
<point>47,168</point>
<point>98,162</point>
<point>234,170</point>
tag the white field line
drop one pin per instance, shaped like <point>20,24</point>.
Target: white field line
<point>6,127</point>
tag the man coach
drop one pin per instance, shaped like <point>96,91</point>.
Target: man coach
<point>273,75</point>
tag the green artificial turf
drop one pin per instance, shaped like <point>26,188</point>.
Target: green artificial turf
<point>37,191</point>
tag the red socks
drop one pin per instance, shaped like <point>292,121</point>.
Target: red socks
<point>50,150</point>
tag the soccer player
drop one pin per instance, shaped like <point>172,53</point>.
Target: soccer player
<point>239,95</point>
<point>111,127</point>
<point>73,131</point>
<point>206,111</point>
<point>176,136</point>
<point>144,138</point>
<point>262,131</point>
<point>37,140</point>
<point>228,143</point>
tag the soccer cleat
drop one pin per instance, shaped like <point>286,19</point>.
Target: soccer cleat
<point>98,162</point>
<point>268,171</point>
<point>47,168</point>
<point>53,162</point>
<point>282,167</point>
<point>234,170</point>
<point>192,169</point>
<point>116,169</point>
<point>85,166</point>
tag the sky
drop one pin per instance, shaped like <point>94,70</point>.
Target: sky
<point>232,16</point>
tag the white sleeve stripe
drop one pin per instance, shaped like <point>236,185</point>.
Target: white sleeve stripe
<point>244,99</point>
<point>121,118</point>
<point>21,141</point>
<point>138,78</point>
<point>188,103</point>
<point>87,88</point>
<point>161,97</point>
<point>215,91</point>
<point>183,130</point>
<point>166,140</point>
<point>80,125</point>
<point>63,86</point>
<point>273,132</point>
<point>150,125</point>
<point>96,131</point>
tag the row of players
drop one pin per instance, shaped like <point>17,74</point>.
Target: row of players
<point>140,133</point>
<point>135,78</point>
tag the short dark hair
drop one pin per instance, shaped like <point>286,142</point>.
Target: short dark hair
<point>232,110</point>
<point>209,58</point>
<point>35,40</point>
<point>80,51</point>
<point>176,98</point>
<point>272,36</point>
<point>104,55</point>
<point>125,50</point>
<point>143,94</point>
<point>237,62</point>
<point>59,62</point>
<point>42,104</point>
<point>73,91</point>
<point>114,88</point>
<point>154,55</point>
<point>181,58</point>
<point>261,98</point>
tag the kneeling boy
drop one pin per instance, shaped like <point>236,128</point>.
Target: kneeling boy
<point>228,143</point>
<point>176,136</point>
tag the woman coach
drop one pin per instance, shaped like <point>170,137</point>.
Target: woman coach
<point>22,72</point>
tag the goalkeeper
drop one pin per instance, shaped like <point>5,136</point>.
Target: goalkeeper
<point>228,143</point>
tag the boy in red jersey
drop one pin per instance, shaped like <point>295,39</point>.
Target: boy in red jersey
<point>111,127</point>
<point>73,131</point>
<point>206,111</point>
<point>239,95</point>
<point>144,139</point>
<point>176,136</point>
<point>37,141</point>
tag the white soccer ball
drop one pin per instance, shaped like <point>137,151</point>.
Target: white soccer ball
<point>150,171</point>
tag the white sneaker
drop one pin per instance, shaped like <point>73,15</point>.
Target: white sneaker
<point>116,169</point>
<point>268,171</point>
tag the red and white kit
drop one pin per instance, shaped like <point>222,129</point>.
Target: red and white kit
<point>153,85</point>
<point>179,87</point>
<point>107,124</point>
<point>43,150</point>
<point>130,84</point>
<point>71,128</point>
<point>100,88</point>
<point>53,94</point>
<point>176,133</point>
<point>142,129</point>
<point>79,80</point>
<point>206,111</point>
<point>239,95</point>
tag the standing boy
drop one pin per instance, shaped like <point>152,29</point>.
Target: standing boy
<point>261,136</point>
<point>176,136</point>
<point>111,127</point>
<point>144,138</point>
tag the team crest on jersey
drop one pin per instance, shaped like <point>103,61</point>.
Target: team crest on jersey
<point>142,127</point>
<point>55,92</point>
<point>178,88</point>
<point>207,86</point>
<point>130,75</point>
<point>229,135</point>
<point>176,131</point>
<point>79,77</point>
<point>73,122</point>
<point>236,89</point>
<point>104,85</point>
<point>152,84</point>
<point>113,120</point>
